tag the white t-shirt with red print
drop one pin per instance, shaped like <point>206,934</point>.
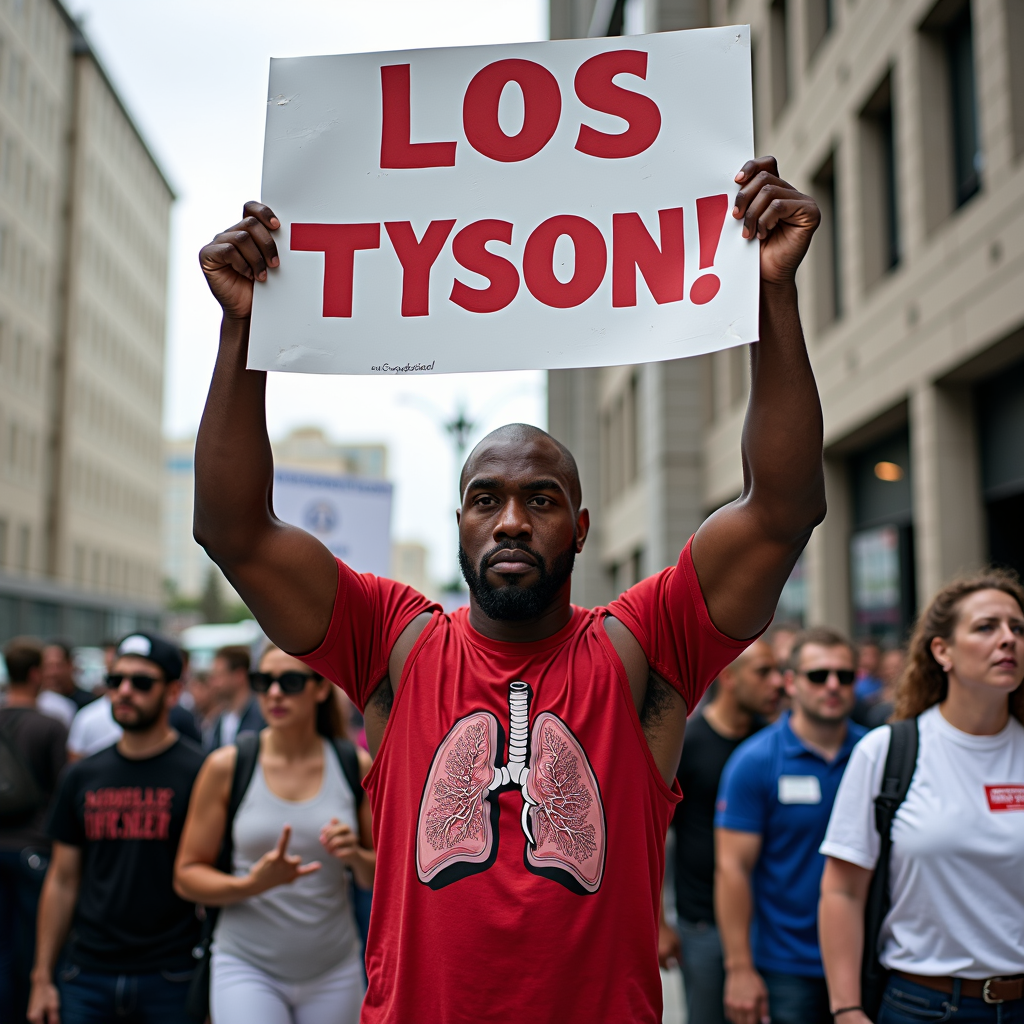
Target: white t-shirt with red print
<point>957,865</point>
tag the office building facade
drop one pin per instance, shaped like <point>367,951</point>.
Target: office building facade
<point>84,231</point>
<point>906,123</point>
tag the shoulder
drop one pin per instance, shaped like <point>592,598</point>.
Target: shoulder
<point>188,751</point>
<point>751,763</point>
<point>220,763</point>
<point>873,746</point>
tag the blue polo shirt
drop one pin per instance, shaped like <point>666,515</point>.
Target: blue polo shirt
<point>782,790</point>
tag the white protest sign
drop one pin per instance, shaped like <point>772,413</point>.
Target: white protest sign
<point>505,207</point>
<point>352,517</point>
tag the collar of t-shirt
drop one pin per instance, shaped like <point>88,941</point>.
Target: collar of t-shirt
<point>793,746</point>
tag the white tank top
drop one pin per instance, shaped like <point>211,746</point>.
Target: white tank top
<point>293,932</point>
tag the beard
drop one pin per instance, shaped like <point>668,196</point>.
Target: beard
<point>513,602</point>
<point>137,720</point>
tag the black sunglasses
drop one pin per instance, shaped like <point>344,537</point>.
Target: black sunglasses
<point>290,682</point>
<point>819,676</point>
<point>139,680</point>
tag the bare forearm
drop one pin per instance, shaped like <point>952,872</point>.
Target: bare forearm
<point>56,908</point>
<point>782,435</point>
<point>733,912</point>
<point>364,866</point>
<point>202,883</point>
<point>841,935</point>
<point>234,464</point>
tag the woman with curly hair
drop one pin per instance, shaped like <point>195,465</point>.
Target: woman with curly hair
<point>953,939</point>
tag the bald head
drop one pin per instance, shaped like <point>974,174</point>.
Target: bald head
<point>514,440</point>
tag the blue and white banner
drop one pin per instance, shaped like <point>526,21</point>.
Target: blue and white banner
<point>351,516</point>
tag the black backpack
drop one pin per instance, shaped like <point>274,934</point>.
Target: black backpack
<point>197,1004</point>
<point>896,778</point>
<point>20,793</point>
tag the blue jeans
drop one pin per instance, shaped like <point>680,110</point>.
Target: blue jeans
<point>88,997</point>
<point>906,1002</point>
<point>21,880</point>
<point>703,971</point>
<point>796,999</point>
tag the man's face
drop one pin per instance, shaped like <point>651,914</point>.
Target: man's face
<point>57,670</point>
<point>225,682</point>
<point>518,531</point>
<point>136,710</point>
<point>758,681</point>
<point>867,659</point>
<point>827,702</point>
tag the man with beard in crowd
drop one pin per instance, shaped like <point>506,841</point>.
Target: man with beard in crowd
<point>524,790</point>
<point>115,824</point>
<point>746,697</point>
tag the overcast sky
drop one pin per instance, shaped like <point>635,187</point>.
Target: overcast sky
<point>193,73</point>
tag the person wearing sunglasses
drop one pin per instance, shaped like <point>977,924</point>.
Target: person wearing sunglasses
<point>286,945</point>
<point>774,803</point>
<point>952,939</point>
<point>115,824</point>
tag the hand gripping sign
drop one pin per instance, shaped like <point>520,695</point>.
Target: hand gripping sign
<point>505,207</point>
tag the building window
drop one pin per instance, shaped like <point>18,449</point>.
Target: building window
<point>882,545</point>
<point>1015,55</point>
<point>620,442</point>
<point>949,110</point>
<point>1000,405</point>
<point>828,276</point>
<point>878,179</point>
<point>24,548</point>
<point>820,19</point>
<point>959,43</point>
<point>778,29</point>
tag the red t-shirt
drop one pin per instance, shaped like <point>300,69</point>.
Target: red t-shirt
<point>518,816</point>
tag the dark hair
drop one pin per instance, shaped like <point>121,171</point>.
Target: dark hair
<point>923,683</point>
<point>329,720</point>
<point>63,645</point>
<point>236,656</point>
<point>22,654</point>
<point>822,636</point>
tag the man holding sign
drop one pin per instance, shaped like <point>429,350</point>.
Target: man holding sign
<point>523,793</point>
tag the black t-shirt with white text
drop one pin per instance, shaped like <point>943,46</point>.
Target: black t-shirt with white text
<point>126,816</point>
<point>700,769</point>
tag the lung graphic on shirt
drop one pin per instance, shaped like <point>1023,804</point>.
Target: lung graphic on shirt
<point>563,820</point>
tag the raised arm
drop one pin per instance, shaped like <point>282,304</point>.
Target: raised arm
<point>744,553</point>
<point>286,577</point>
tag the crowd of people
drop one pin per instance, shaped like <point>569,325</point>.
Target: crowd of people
<point>193,842</point>
<point>112,834</point>
<point>780,834</point>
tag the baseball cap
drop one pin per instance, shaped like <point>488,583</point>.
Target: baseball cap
<point>154,648</point>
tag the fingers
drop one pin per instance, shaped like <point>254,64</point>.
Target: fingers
<point>264,214</point>
<point>801,212</point>
<point>754,199</point>
<point>254,262</point>
<point>282,843</point>
<point>758,164</point>
<point>307,869</point>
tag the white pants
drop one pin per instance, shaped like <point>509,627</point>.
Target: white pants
<point>243,994</point>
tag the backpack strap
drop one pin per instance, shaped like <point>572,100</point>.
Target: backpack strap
<point>248,744</point>
<point>348,758</point>
<point>897,775</point>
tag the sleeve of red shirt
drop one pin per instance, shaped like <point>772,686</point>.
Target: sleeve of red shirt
<point>369,615</point>
<point>667,615</point>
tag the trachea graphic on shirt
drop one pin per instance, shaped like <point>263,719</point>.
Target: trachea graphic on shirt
<point>563,819</point>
